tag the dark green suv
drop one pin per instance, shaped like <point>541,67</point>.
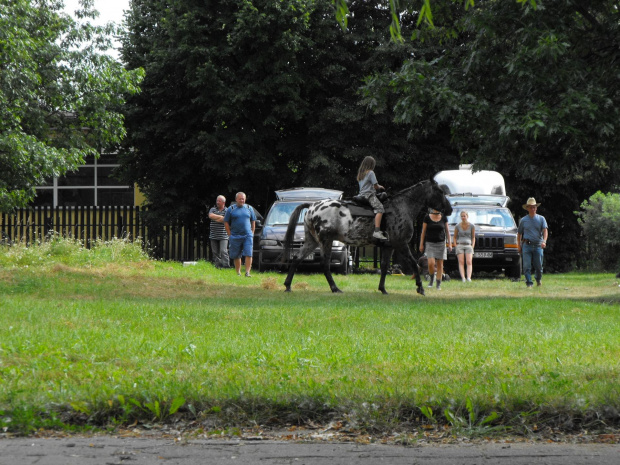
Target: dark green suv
<point>496,233</point>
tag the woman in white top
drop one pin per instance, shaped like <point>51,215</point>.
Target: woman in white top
<point>465,238</point>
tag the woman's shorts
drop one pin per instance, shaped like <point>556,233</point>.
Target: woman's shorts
<point>436,250</point>
<point>240,246</point>
<point>462,249</point>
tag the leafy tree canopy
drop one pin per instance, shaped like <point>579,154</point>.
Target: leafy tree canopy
<point>533,93</point>
<point>59,94</point>
<point>256,96</point>
<point>423,9</point>
<point>599,216</point>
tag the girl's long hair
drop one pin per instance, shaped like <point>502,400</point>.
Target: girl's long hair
<point>368,164</point>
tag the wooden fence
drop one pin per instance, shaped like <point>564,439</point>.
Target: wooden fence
<point>87,224</point>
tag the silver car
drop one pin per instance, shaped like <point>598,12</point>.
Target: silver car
<point>270,245</point>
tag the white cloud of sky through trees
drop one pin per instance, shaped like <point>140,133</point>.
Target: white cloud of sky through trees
<point>109,11</point>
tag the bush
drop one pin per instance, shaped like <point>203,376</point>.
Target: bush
<point>600,220</point>
<point>71,252</point>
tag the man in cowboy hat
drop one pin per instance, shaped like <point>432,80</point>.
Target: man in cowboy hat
<point>531,241</point>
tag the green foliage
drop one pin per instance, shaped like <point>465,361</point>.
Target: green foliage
<point>23,419</point>
<point>60,94</point>
<point>472,425</point>
<point>238,91</point>
<point>428,413</point>
<point>527,89</point>
<point>511,84</point>
<point>57,249</point>
<point>600,219</point>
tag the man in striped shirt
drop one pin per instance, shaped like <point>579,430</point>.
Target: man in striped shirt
<point>218,235</point>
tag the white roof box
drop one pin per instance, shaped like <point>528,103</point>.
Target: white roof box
<point>464,181</point>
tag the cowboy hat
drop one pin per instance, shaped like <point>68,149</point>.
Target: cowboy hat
<point>530,202</point>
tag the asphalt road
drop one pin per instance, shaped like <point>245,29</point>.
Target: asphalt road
<point>108,450</point>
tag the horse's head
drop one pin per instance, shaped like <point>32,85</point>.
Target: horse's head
<point>438,200</point>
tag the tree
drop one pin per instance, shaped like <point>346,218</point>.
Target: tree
<point>423,9</point>
<point>59,95</point>
<point>256,96</point>
<point>530,92</point>
<point>599,217</point>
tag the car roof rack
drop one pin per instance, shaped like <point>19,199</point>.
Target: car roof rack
<point>301,193</point>
<point>478,199</point>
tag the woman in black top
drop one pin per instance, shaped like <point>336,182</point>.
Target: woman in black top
<point>435,235</point>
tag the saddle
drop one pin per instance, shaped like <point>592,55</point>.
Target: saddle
<point>358,205</point>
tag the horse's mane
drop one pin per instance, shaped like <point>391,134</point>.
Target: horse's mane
<point>406,190</point>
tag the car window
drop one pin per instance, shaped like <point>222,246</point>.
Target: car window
<point>484,216</point>
<point>280,213</point>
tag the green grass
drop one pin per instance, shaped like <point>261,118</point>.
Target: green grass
<point>109,339</point>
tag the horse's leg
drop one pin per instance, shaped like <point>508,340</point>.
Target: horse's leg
<point>418,271</point>
<point>326,252</point>
<point>386,257</point>
<point>309,245</point>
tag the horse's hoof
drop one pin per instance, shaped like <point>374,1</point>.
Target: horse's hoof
<point>336,291</point>
<point>421,290</point>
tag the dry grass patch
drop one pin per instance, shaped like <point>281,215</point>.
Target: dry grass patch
<point>169,288</point>
<point>108,269</point>
<point>61,268</point>
<point>270,284</point>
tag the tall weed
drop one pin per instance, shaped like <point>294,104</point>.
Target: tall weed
<point>57,249</point>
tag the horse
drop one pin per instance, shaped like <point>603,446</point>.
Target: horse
<point>331,220</point>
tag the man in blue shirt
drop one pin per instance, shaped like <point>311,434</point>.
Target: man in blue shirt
<point>531,241</point>
<point>240,222</point>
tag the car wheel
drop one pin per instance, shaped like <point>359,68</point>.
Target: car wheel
<point>262,266</point>
<point>344,266</point>
<point>456,274</point>
<point>515,270</point>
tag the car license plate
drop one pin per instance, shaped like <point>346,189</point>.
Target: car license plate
<point>309,258</point>
<point>483,254</point>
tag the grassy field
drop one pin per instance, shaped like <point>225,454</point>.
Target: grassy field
<point>106,337</point>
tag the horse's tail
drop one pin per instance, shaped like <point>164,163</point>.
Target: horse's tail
<point>290,231</point>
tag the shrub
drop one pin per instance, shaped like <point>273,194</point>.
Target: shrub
<point>68,251</point>
<point>600,220</point>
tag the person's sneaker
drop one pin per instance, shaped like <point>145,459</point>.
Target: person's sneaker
<point>469,280</point>
<point>247,274</point>
<point>238,273</point>
<point>529,286</point>
<point>464,280</point>
<point>379,235</point>
<point>439,287</point>
<point>538,283</point>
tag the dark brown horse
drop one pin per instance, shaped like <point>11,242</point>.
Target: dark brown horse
<point>331,220</point>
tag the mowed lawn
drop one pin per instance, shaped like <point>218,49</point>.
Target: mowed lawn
<point>115,343</point>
